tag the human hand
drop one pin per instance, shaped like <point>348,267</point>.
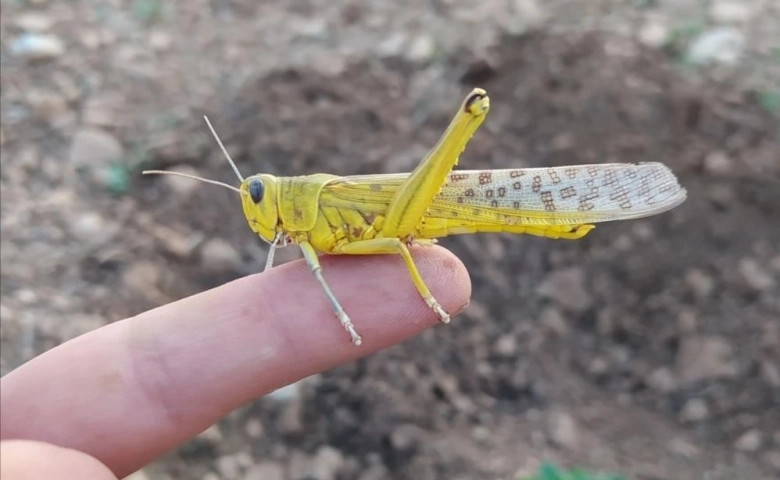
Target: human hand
<point>105,404</point>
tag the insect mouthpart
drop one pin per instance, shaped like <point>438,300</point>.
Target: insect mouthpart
<point>256,190</point>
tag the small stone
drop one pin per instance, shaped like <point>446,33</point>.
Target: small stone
<point>506,346</point>
<point>481,434</point>
<point>254,428</point>
<point>729,11</point>
<point>139,475</point>
<point>93,148</point>
<point>643,231</point>
<point>705,358</point>
<point>291,419</point>
<point>405,438</point>
<point>392,46</point>
<point>686,321</point>
<point>623,243</point>
<point>531,12</point>
<point>720,45</point>
<point>567,288</point>
<point>314,28</point>
<point>46,104</point>
<point>287,393</point>
<point>91,39</point>
<point>91,227</point>
<point>654,33</point>
<point>160,41</point>
<point>100,112</point>
<point>695,410</point>
<point>718,164</point>
<point>326,464</point>
<point>36,46</point>
<point>749,441</point>
<point>212,435</point>
<point>421,48</point>
<point>265,471</point>
<point>563,430</point>
<point>33,22</point>
<point>219,255</point>
<point>229,466</point>
<point>598,366</point>
<point>662,379</point>
<point>553,321</point>
<point>683,448</point>
<point>142,276</point>
<point>754,275</point>
<point>26,296</point>
<point>173,241</point>
<point>700,283</point>
<point>327,64</point>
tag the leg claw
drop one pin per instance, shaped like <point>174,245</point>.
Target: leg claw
<point>350,327</point>
<point>444,317</point>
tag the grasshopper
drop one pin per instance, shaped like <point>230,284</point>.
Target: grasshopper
<point>386,214</point>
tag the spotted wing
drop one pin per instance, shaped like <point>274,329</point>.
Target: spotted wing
<point>561,195</point>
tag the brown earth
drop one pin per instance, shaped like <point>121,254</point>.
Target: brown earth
<point>650,347</point>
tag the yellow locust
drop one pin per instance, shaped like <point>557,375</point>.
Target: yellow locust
<point>385,214</point>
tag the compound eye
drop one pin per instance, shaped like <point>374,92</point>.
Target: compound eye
<point>256,190</point>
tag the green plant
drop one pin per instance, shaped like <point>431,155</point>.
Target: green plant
<point>549,471</point>
<point>769,100</point>
<point>147,11</point>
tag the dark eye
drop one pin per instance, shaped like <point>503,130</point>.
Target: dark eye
<point>256,190</point>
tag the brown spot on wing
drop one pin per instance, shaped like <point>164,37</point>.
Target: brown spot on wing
<point>369,218</point>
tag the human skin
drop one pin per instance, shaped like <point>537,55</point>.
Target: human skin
<point>107,403</point>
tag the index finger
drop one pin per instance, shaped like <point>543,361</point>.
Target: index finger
<point>129,392</point>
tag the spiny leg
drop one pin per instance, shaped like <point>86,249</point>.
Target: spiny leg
<point>310,255</point>
<point>396,246</point>
<point>415,195</point>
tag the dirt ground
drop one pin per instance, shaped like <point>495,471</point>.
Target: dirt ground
<point>649,348</point>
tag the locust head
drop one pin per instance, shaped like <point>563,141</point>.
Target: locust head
<point>258,197</point>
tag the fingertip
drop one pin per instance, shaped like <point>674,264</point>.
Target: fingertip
<point>449,274</point>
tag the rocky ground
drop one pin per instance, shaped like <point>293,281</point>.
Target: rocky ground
<point>649,348</point>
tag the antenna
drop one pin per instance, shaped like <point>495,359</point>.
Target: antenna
<point>224,150</point>
<point>193,177</point>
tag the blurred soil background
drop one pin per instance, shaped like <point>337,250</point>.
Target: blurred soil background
<point>649,348</point>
